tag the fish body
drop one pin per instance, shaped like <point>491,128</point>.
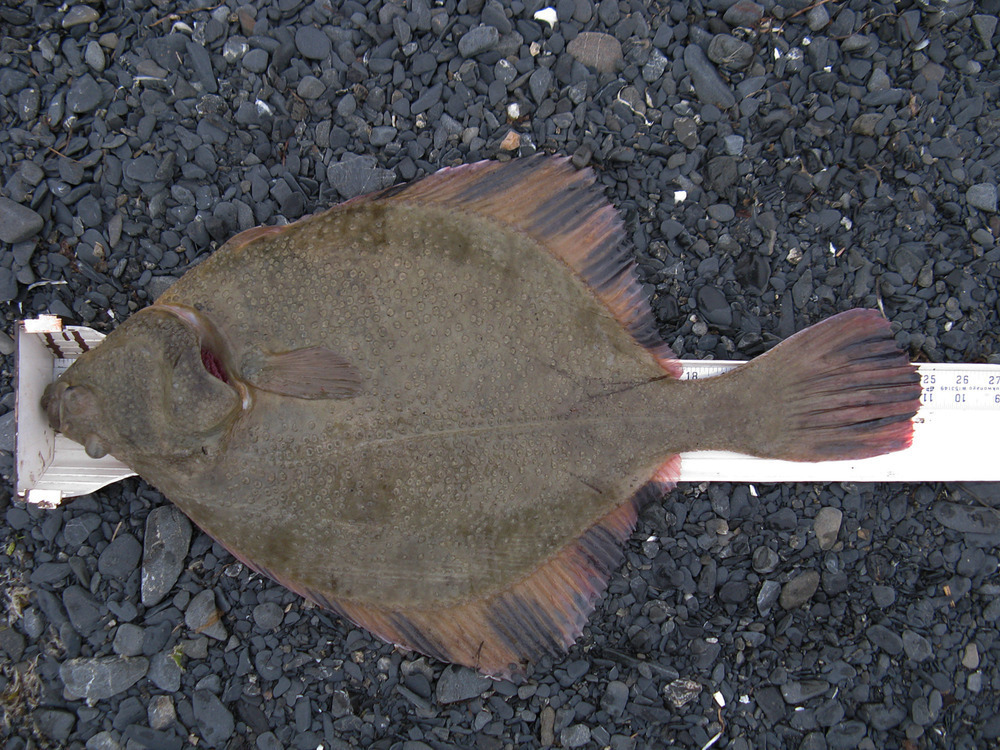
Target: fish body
<point>437,410</point>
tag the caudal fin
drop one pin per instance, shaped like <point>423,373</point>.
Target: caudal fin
<point>841,389</point>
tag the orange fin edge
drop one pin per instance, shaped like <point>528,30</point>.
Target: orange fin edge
<point>562,209</point>
<point>502,635</point>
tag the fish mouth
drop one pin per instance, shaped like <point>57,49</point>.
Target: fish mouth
<point>215,356</point>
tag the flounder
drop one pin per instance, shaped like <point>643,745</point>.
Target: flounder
<point>437,410</point>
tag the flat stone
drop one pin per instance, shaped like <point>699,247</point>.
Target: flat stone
<point>80,14</point>
<point>708,84</point>
<point>356,175</point>
<point>17,222</point>
<point>268,616</point>
<point>100,678</point>
<point>83,610</point>
<point>458,684</point>
<point>214,721</point>
<point>202,616</point>
<point>916,646</point>
<point>982,196</point>
<point>84,95</point>
<point>165,545</point>
<point>730,52</point>
<point>885,639</point>
<point>800,691</point>
<point>597,50</point>
<point>968,519</point>
<point>312,43</point>
<point>799,590</point>
<point>120,558</point>
<point>477,40</point>
<point>826,526</point>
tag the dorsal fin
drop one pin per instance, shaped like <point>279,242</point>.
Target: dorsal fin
<point>559,207</point>
<point>542,614</point>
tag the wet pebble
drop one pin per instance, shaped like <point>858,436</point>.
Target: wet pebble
<point>312,43</point>
<point>203,617</point>
<point>17,222</point>
<point>120,558</point>
<point>99,678</point>
<point>213,720</point>
<point>826,526</point>
<point>799,590</point>
<point>165,546</point>
<point>983,196</point>
<point>458,684</point>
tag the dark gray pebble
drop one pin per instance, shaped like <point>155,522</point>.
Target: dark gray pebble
<point>214,721</point>
<point>458,684</point>
<point>17,222</point>
<point>165,546</point>
<point>100,678</point>
<point>846,736</point>
<point>268,616</point>
<point>796,692</point>
<point>203,617</point>
<point>708,84</point>
<point>477,40</point>
<point>800,589</point>
<point>597,50</point>
<point>84,95</point>
<point>120,558</point>
<point>885,639</point>
<point>312,43</point>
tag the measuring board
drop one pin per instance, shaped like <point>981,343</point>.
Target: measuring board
<point>959,414</point>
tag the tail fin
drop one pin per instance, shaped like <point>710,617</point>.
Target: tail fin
<point>841,389</point>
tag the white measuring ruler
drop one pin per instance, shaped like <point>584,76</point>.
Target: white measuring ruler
<point>959,414</point>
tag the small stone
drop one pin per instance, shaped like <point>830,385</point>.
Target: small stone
<point>255,60</point>
<point>310,87</point>
<point>730,52</point>
<point>765,560</point>
<point>214,721</point>
<point>312,43</point>
<point>768,596</point>
<point>734,592</point>
<point>597,50</point>
<point>268,616</point>
<point>356,175</point>
<point>120,558</point>
<point>18,223</point>
<point>615,698</point>
<point>682,691</point>
<point>734,144</point>
<point>799,590</point>
<point>986,27</point>
<point>202,616</point>
<point>576,735</point>
<point>97,679</point>
<point>708,84</point>
<point>796,692</point>
<point>511,141</point>
<point>916,646</point>
<point>970,659</point>
<point>165,545</point>
<point>161,712</point>
<point>94,56</point>
<point>846,736</point>
<point>983,196</point>
<point>84,95</point>
<point>883,596</point>
<point>458,684</point>
<point>54,723</point>
<point>826,526</point>
<point>885,639</point>
<point>83,610</point>
<point>477,40</point>
<point>817,17</point>
<point>80,14</point>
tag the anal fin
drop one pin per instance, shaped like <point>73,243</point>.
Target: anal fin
<point>543,614</point>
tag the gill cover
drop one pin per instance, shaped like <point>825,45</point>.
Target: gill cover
<point>144,392</point>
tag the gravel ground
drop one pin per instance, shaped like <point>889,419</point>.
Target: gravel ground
<point>775,163</point>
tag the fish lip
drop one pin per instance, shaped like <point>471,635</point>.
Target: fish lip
<point>211,341</point>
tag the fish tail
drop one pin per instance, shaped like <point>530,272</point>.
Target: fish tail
<point>841,389</point>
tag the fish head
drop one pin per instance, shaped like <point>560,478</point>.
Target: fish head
<point>158,388</point>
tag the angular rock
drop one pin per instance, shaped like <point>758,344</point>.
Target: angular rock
<point>120,558</point>
<point>202,616</point>
<point>799,590</point>
<point>708,84</point>
<point>100,678</point>
<point>458,684</point>
<point>165,545</point>
<point>17,222</point>
<point>214,721</point>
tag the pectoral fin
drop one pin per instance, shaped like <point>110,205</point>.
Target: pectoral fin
<point>311,373</point>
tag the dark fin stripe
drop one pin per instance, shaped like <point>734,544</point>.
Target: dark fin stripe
<point>544,613</point>
<point>840,389</point>
<point>561,209</point>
